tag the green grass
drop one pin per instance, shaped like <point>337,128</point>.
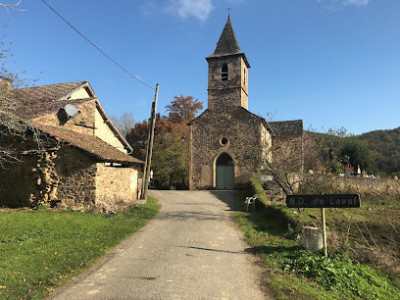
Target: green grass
<point>274,229</point>
<point>40,250</point>
<point>267,231</point>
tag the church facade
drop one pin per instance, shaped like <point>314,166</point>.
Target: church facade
<point>229,143</point>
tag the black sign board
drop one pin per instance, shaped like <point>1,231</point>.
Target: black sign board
<point>319,201</point>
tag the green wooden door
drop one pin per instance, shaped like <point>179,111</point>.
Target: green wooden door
<point>225,172</point>
<point>224,177</point>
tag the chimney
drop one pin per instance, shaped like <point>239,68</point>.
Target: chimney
<point>5,84</point>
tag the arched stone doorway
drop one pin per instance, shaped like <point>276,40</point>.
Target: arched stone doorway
<point>225,172</point>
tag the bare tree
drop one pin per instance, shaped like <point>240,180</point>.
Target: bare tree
<point>284,158</point>
<point>124,123</point>
<point>14,6</point>
<point>13,128</point>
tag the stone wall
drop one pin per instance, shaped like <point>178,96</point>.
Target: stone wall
<point>83,123</point>
<point>116,184</point>
<point>366,187</point>
<point>17,182</point>
<point>242,131</point>
<point>232,92</point>
<point>226,97</point>
<point>27,181</point>
<point>287,151</point>
<point>76,178</point>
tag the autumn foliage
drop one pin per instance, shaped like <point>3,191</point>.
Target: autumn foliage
<point>170,162</point>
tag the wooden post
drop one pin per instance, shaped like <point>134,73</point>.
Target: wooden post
<point>324,231</point>
<point>190,156</point>
<point>150,145</point>
<point>147,154</point>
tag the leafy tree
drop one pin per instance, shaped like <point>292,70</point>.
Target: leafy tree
<point>137,138</point>
<point>138,135</point>
<point>170,161</point>
<point>171,157</point>
<point>183,108</point>
<point>338,147</point>
<point>356,152</point>
<point>385,145</point>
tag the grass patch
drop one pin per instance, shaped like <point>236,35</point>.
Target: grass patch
<point>363,264</point>
<point>40,250</point>
<point>297,274</point>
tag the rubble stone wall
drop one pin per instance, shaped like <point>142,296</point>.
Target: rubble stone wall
<point>116,184</point>
<point>232,92</point>
<point>287,150</point>
<point>242,131</point>
<point>17,182</point>
<point>76,178</point>
<point>379,188</point>
<point>83,123</point>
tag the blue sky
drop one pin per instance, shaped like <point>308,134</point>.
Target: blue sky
<point>332,63</point>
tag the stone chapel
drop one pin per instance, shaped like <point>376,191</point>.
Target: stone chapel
<point>227,139</point>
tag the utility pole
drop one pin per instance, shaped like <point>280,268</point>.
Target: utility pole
<point>149,154</point>
<point>190,155</point>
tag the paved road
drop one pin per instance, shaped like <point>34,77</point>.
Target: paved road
<point>191,250</point>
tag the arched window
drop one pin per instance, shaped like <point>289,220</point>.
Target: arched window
<point>224,72</point>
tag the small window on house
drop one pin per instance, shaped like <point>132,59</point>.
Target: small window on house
<point>244,76</point>
<point>224,72</point>
<point>224,141</point>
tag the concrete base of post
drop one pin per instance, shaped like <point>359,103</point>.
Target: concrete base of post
<point>312,238</point>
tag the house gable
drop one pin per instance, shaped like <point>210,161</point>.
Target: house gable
<point>103,130</point>
<point>82,92</point>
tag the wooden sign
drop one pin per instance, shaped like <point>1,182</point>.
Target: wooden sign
<point>320,201</point>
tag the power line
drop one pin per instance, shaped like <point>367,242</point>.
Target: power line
<point>97,48</point>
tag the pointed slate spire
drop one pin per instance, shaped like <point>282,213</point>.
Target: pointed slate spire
<point>227,43</point>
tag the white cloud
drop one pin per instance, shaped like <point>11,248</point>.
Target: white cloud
<point>337,4</point>
<point>149,8</point>
<point>234,2</point>
<point>356,2</point>
<point>199,9</point>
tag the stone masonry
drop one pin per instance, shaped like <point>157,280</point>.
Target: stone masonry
<point>229,143</point>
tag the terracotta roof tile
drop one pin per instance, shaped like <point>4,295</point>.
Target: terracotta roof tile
<point>33,102</point>
<point>90,144</point>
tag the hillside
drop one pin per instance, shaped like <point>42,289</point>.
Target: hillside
<point>386,147</point>
<point>379,149</point>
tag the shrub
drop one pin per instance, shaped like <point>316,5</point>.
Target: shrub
<point>340,273</point>
<point>256,187</point>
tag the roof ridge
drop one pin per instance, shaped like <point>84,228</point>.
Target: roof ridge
<point>91,144</point>
<point>49,85</point>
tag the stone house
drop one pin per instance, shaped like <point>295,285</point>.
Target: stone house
<point>82,159</point>
<point>229,142</point>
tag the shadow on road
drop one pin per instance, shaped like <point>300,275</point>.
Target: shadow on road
<point>234,199</point>
<point>246,251</point>
<point>199,216</point>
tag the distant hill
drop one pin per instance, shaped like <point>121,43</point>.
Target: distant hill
<point>386,147</point>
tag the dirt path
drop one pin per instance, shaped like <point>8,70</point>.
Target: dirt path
<point>191,250</point>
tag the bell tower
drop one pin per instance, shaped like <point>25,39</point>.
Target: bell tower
<point>227,72</point>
